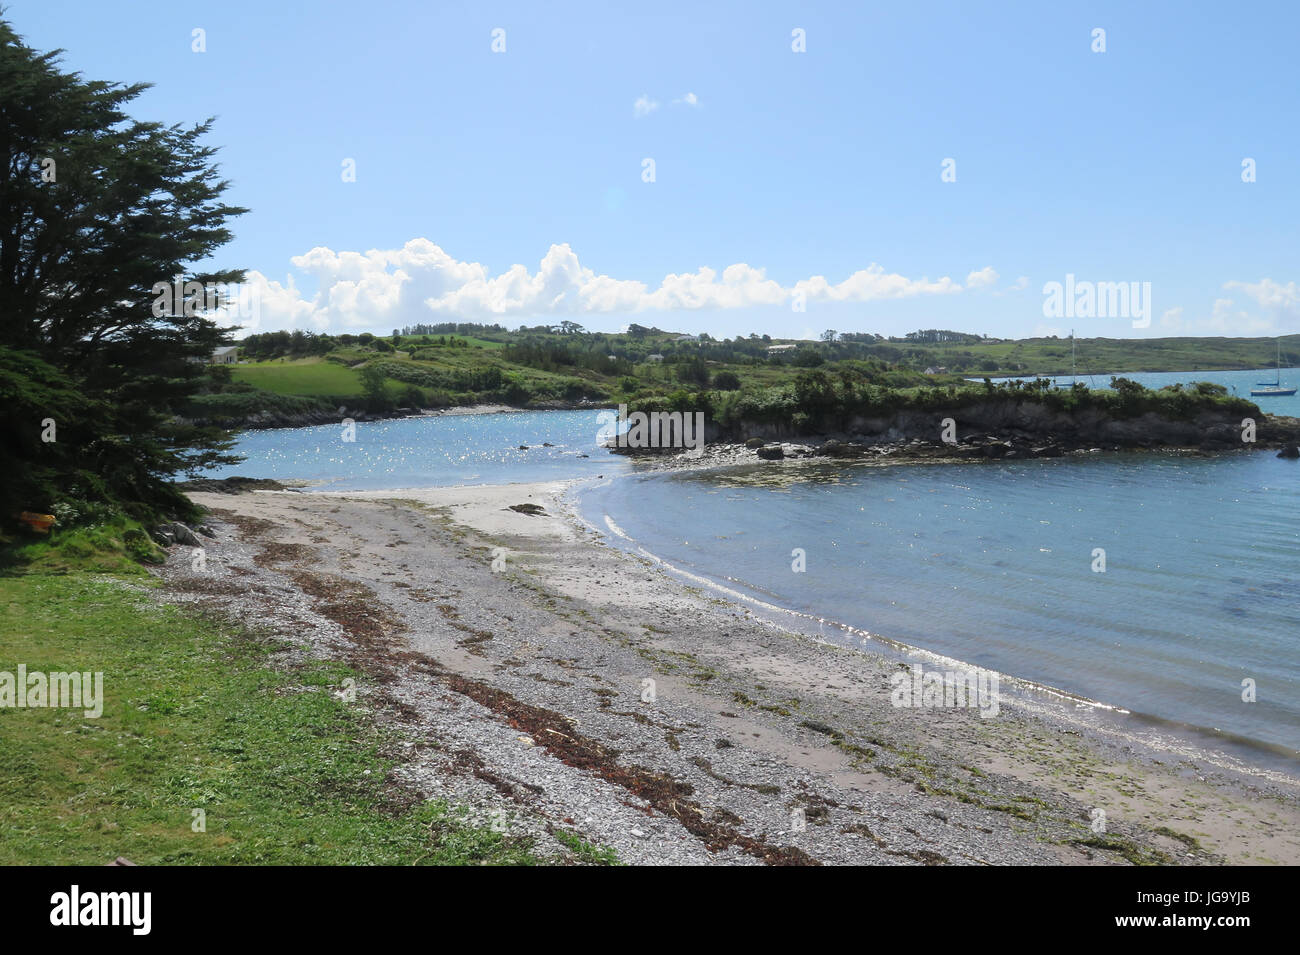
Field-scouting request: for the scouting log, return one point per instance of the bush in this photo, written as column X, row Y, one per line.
column 516, row 394
column 726, row 381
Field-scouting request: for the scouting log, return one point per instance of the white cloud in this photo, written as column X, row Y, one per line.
column 982, row 279
column 689, row 99
column 1284, row 299
column 420, row 283
column 1225, row 318
column 1280, row 304
column 1019, row 285
column 644, row 106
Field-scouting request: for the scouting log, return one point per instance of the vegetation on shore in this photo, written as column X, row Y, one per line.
column 814, row 387
column 99, row 214
column 199, row 716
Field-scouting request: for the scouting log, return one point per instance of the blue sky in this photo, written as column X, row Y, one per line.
column 772, row 168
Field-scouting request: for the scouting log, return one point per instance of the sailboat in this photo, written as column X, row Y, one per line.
column 1273, row 389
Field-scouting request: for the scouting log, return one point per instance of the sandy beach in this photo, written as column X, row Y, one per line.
column 543, row 678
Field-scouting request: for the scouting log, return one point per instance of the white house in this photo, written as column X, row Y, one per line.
column 777, row 349
column 228, row 355
column 654, row 357
column 937, row 370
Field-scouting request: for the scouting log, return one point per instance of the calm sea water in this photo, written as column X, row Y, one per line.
column 994, row 564
column 430, row 451
column 991, row 563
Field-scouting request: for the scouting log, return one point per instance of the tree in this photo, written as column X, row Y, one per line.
column 372, row 384
column 99, row 214
column 829, row 335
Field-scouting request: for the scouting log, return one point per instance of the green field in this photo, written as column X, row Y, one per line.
column 198, row 716
column 546, row 367
column 312, row 377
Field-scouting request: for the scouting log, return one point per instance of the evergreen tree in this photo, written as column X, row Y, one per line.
column 96, row 210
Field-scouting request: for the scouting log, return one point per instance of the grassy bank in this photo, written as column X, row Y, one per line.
column 197, row 716
column 285, row 373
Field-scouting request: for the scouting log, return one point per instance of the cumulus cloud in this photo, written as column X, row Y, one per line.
column 1225, row 318
column 1279, row 302
column 688, row 99
column 420, row 282
column 1284, row 299
column 644, row 105
column 984, row 278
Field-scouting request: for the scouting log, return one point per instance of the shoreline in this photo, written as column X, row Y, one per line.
column 753, row 719
column 1224, row 751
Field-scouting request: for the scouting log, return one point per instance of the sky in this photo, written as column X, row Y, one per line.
column 862, row 167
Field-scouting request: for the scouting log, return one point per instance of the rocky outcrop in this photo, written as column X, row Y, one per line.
column 175, row 533
column 1028, row 429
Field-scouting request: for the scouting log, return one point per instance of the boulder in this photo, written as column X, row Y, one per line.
column 183, row 535
column 770, row 452
column 841, row 449
column 1290, row 451
column 753, row 443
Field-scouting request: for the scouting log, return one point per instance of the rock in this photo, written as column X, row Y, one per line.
column 1048, row 451
column 753, row 443
column 1290, row 452
column 163, row 536
column 528, row 508
column 523, row 447
column 184, row 535
column 206, row 531
column 770, row 453
column 996, row 449
column 841, row 449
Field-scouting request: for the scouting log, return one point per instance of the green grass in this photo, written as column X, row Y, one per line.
column 196, row 717
column 544, row 369
column 310, row 377
column 116, row 546
column 584, row 850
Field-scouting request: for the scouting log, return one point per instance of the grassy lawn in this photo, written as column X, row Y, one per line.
column 195, row 717
column 312, row 377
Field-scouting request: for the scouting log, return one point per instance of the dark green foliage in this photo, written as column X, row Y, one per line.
column 822, row 402
column 131, row 204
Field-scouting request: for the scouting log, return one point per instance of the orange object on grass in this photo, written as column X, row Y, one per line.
column 41, row 523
